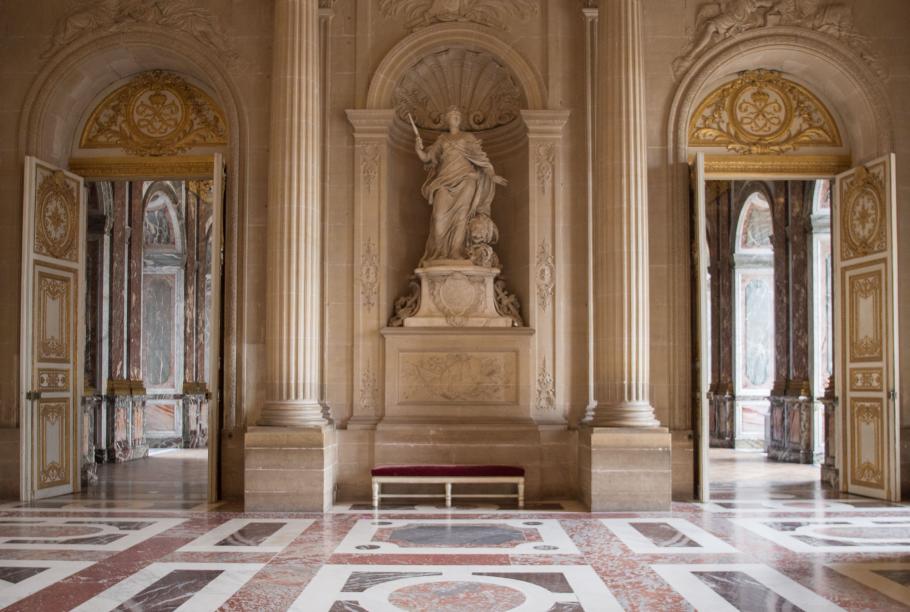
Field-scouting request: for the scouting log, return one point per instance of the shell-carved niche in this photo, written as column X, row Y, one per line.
column 762, row 112
column 474, row 81
column 155, row 113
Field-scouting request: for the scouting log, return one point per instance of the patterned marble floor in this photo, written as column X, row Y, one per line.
column 782, row 550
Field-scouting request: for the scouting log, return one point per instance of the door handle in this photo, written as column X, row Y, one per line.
column 33, row 395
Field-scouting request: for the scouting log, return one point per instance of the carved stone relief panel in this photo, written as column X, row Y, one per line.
column 762, row 112
column 475, row 81
column 546, row 275
column 722, row 19
column 493, row 13
column 369, row 274
column 155, row 113
column 450, row 377
column 546, row 391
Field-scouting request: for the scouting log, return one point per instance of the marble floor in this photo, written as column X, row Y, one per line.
column 788, row 549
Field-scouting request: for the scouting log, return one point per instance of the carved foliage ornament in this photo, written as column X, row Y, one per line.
column 863, row 214
column 156, row 113
column 476, row 82
column 493, row 13
column 723, row 19
column 546, row 393
column 546, row 275
column 56, row 216
column 369, row 274
column 112, row 16
column 761, row 112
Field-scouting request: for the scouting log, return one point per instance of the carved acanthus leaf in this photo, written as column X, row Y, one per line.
column 112, row 16
column 546, row 275
column 369, row 274
column 474, row 81
column 546, row 391
column 722, row 19
column 493, row 13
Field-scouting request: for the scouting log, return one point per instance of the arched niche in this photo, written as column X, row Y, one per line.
column 391, row 218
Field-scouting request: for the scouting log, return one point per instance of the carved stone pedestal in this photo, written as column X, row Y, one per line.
column 625, row 469
column 457, row 294
column 289, row 469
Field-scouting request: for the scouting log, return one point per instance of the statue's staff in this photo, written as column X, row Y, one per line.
column 414, row 127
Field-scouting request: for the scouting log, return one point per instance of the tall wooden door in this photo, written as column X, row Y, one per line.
column 213, row 375
column 53, row 252
column 866, row 344
column 703, row 337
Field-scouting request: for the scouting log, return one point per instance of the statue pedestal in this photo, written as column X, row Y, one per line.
column 457, row 294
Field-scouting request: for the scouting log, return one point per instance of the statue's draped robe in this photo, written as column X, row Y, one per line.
column 459, row 186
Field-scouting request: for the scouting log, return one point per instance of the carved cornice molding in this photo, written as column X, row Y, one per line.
column 492, row 13
column 761, row 112
column 723, row 19
column 113, row 16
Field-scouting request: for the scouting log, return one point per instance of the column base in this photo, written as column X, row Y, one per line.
column 294, row 414
column 289, row 469
column 625, row 468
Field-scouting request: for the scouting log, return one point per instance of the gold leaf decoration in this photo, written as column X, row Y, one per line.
column 156, row 113
column 56, row 216
column 761, row 112
column 863, row 214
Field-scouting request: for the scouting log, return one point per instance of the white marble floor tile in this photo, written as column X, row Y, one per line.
column 739, row 586
column 169, row 586
column 666, row 536
column 878, row 534
column 68, row 533
column 231, row 535
column 46, row 573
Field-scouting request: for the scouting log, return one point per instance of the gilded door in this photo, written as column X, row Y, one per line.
column 53, row 251
column 866, row 330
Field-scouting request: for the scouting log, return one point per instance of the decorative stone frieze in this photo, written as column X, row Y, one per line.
column 493, row 13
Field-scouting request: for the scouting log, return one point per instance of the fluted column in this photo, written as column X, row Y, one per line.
column 621, row 329
column 294, row 256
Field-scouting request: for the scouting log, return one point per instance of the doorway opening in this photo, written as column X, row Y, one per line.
column 769, row 358
column 149, row 367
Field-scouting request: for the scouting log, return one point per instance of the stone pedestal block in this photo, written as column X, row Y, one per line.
column 625, row 469
column 289, row 469
column 457, row 294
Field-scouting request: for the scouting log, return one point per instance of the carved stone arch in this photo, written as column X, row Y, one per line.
column 834, row 73
column 440, row 37
column 72, row 78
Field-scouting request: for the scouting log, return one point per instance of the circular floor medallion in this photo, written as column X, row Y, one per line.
column 452, row 596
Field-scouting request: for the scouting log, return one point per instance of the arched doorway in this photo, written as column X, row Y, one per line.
column 845, row 87
column 195, row 171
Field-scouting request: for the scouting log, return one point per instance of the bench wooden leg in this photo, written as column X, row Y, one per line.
column 521, row 495
column 376, row 494
column 448, row 495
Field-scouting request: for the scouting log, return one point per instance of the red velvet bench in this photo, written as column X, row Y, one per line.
column 448, row 475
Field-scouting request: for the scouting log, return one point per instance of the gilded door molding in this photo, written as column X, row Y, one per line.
column 866, row 275
column 52, row 293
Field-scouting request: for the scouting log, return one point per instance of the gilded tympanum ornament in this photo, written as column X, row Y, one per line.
column 56, row 216
column 761, row 112
column 156, row 113
column 863, row 214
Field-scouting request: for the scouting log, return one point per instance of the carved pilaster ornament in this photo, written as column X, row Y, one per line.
column 546, row 160
column 546, row 392
column 368, row 389
column 762, row 112
column 723, row 19
column 369, row 274
column 369, row 164
column 546, row 275
column 492, row 13
column 113, row 16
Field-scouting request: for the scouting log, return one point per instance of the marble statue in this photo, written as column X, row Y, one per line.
column 460, row 187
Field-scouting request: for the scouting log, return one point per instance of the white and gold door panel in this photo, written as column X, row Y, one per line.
column 53, row 251
column 865, row 269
